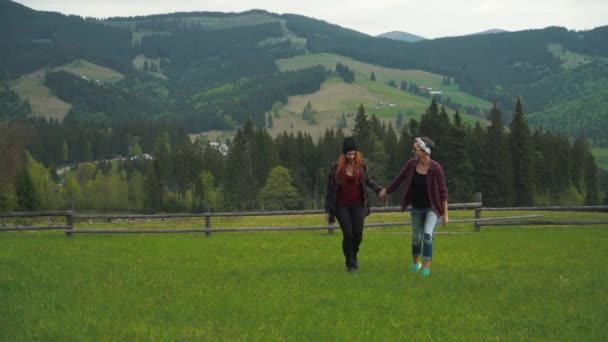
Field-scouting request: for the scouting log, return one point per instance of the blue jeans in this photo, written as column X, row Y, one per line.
column 424, row 222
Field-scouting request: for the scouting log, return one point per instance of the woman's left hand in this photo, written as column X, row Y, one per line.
column 445, row 219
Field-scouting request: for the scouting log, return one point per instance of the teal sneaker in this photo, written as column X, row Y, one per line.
column 426, row 272
column 416, row 267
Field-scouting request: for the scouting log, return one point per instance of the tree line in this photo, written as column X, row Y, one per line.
column 513, row 166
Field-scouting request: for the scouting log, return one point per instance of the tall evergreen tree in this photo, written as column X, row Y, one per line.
column 154, row 188
column 592, row 195
column 163, row 157
column 238, row 182
column 457, row 164
column 578, row 158
column 521, row 158
column 362, row 130
column 27, row 197
column 399, row 122
column 498, row 189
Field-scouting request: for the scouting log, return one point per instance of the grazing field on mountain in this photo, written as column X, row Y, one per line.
column 337, row 97
column 383, row 75
column 91, row 71
column 31, row 87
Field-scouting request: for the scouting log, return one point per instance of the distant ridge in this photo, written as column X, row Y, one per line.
column 403, row 36
column 490, row 31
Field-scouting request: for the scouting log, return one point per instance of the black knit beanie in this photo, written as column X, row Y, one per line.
column 349, row 144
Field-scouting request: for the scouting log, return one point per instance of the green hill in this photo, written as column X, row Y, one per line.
column 336, row 97
column 586, row 116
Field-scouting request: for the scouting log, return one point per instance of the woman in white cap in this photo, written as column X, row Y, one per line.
column 427, row 193
column 347, row 199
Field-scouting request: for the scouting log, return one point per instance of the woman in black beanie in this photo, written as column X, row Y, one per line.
column 347, row 199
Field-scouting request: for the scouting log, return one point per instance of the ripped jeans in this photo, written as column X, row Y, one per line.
column 424, row 222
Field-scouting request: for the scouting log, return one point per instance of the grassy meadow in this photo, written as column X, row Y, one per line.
column 44, row 103
column 363, row 71
column 31, row 87
column 515, row 283
column 336, row 97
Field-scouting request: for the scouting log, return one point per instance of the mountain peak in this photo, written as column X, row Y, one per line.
column 403, row 36
column 494, row 30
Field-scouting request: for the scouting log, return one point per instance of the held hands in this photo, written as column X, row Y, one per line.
column 382, row 193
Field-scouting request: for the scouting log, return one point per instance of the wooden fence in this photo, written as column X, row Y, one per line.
column 70, row 218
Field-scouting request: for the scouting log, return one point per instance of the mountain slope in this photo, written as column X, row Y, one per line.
column 585, row 116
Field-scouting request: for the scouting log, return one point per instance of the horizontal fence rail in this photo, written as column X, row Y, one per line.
column 270, row 229
column 36, row 214
column 600, row 208
column 254, row 213
column 68, row 214
column 477, row 207
column 545, row 223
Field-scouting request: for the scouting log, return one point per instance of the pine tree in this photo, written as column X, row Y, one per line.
column 498, row 187
column 153, row 187
column 456, row 162
column 521, row 158
column 65, row 152
column 162, row 154
column 399, row 122
column 27, row 198
column 362, row 131
column 592, row 195
column 279, row 192
column 342, row 121
column 372, row 77
column 578, row 159
column 238, row 182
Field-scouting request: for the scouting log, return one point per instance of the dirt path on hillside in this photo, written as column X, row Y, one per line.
column 367, row 92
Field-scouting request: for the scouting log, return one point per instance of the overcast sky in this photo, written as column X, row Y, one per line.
column 427, row 18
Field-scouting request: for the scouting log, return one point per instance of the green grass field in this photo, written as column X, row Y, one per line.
column 518, row 283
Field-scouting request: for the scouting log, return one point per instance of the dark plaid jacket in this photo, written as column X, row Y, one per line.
column 333, row 187
column 435, row 183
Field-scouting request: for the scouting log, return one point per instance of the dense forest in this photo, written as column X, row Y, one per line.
column 517, row 166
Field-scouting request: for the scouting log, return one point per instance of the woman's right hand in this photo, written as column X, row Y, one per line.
column 382, row 193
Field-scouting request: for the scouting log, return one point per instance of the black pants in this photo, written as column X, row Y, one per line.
column 351, row 219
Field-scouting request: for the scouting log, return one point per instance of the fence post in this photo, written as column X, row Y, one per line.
column 330, row 228
column 207, row 223
column 478, row 198
column 69, row 218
